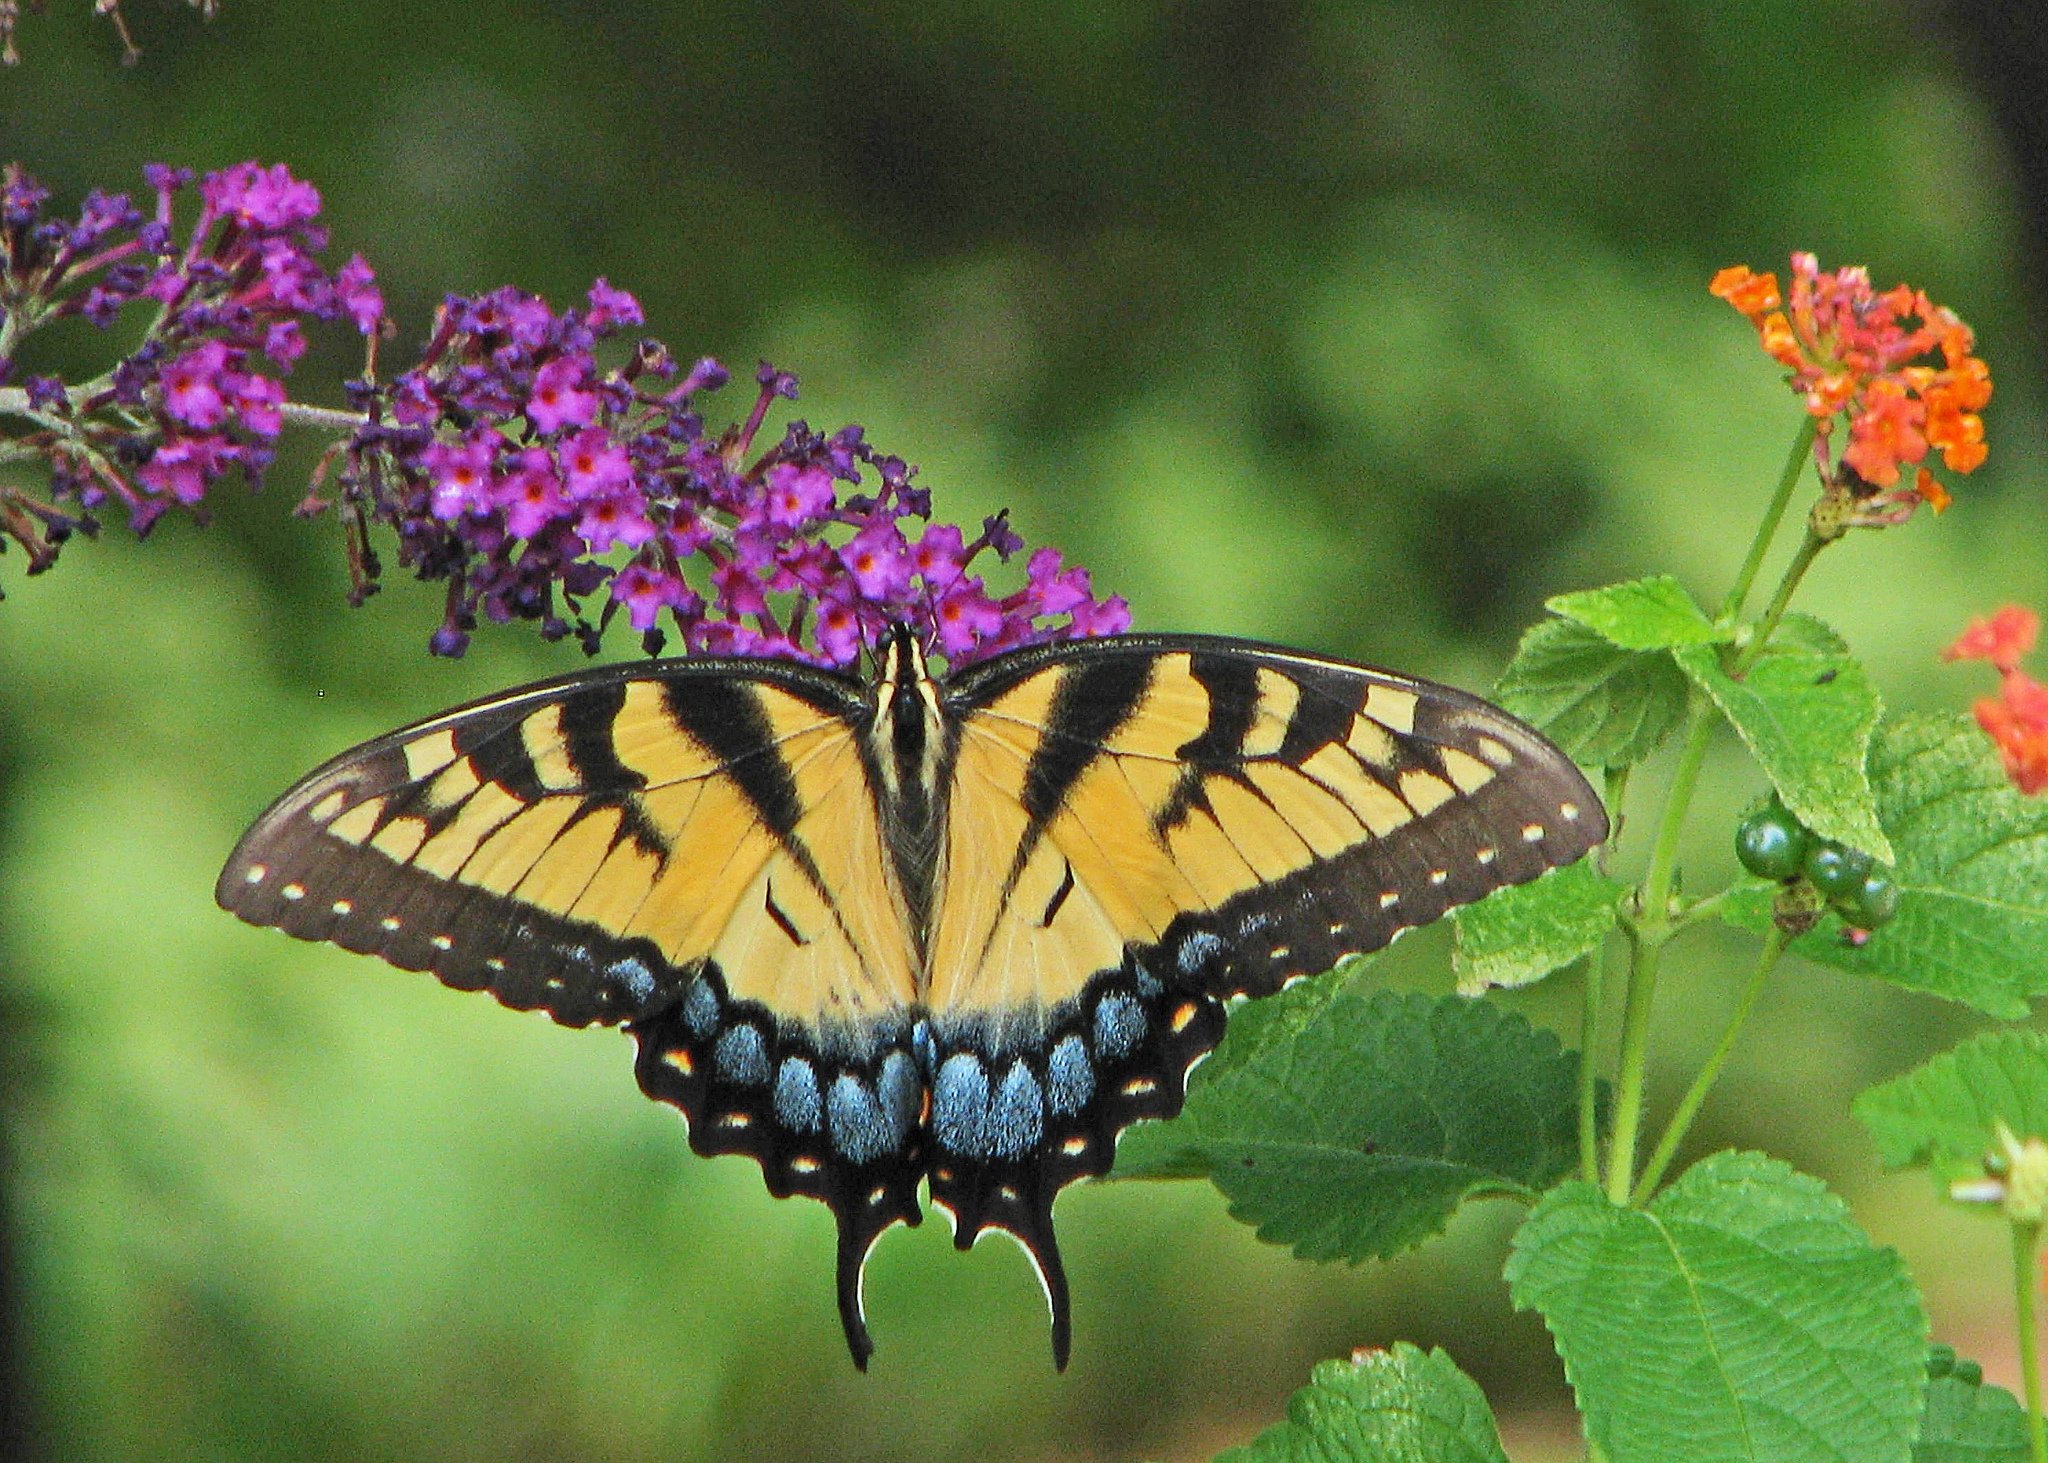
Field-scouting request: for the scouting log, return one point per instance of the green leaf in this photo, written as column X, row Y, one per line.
column 1352, row 1126
column 1805, row 710
column 1972, row 873
column 1944, row 1115
column 1967, row 1421
column 1605, row 706
column 1399, row 1406
column 1643, row 614
column 1517, row 935
column 1741, row 1318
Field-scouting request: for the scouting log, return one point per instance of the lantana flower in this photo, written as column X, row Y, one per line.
column 2016, row 719
column 1896, row 366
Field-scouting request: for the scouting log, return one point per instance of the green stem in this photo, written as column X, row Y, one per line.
column 1802, row 448
column 320, row 416
column 1696, row 1095
column 2025, row 1236
column 1589, row 1069
column 1652, row 929
column 1760, row 636
column 1615, row 790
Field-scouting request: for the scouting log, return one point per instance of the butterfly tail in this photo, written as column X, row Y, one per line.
column 853, row 1263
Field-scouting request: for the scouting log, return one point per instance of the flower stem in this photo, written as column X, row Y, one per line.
column 2025, row 1236
column 1589, row 1072
column 1760, row 637
column 1652, row 929
column 1696, row 1095
column 1615, row 789
column 1802, row 447
column 320, row 416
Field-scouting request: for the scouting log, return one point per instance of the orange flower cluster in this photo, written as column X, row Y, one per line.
column 2016, row 719
column 1851, row 351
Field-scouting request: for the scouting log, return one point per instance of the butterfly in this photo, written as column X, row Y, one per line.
column 895, row 931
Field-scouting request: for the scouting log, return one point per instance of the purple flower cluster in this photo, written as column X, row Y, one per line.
column 535, row 480
column 202, row 394
column 508, row 461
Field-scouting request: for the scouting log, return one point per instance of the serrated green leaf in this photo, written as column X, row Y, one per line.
column 1741, row 1318
column 1944, row 1114
column 1400, row 1406
column 1643, row 614
column 1352, row 1126
column 1806, row 711
column 1972, row 873
column 1605, row 706
column 1517, row 935
column 1968, row 1421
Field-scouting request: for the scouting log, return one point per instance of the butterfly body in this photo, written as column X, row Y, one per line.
column 889, row 932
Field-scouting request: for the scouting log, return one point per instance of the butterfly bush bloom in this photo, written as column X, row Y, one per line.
column 1896, row 366
column 535, row 480
column 516, row 467
column 2016, row 719
column 202, row 393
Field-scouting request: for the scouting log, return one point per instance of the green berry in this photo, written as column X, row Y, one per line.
column 1871, row 903
column 1836, row 871
column 1771, row 844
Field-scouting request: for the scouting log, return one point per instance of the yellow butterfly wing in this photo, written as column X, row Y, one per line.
column 693, row 848
column 1140, row 828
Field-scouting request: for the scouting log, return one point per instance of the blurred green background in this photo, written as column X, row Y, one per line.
column 1362, row 327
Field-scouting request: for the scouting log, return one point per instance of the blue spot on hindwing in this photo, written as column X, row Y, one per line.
column 858, row 1128
column 796, row 1097
column 960, row 1104
column 1069, row 1077
column 1016, row 1119
column 901, row 1092
column 633, row 976
column 700, row 1008
column 1196, row 951
column 1119, row 1026
column 741, row 1057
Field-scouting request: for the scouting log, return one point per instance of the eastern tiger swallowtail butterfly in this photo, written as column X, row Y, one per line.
column 899, row 930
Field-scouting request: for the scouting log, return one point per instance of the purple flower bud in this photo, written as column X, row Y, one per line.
column 611, row 307
column 46, row 393
column 706, row 375
column 356, row 287
column 998, row 535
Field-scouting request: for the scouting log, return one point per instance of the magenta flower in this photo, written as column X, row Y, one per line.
column 258, row 197
column 194, row 391
column 531, row 494
column 558, row 398
column 797, row 495
column 460, row 473
column 879, row 562
column 594, row 465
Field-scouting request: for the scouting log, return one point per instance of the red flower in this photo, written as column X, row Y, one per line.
column 2016, row 719
column 1851, row 350
column 2002, row 639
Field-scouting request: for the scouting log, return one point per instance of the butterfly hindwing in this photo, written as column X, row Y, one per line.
column 1141, row 828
